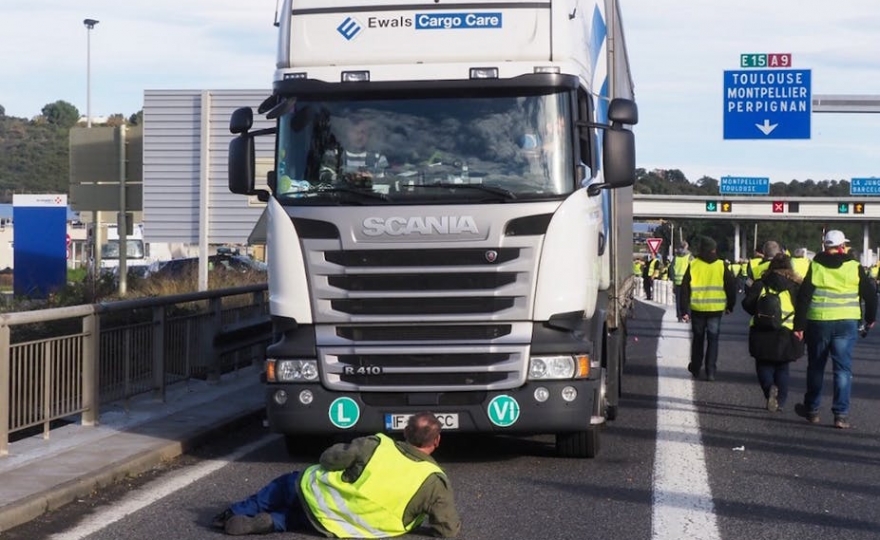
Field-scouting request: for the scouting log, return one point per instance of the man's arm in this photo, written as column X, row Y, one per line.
column 686, row 292
column 438, row 503
column 341, row 456
column 868, row 293
column 805, row 296
column 729, row 288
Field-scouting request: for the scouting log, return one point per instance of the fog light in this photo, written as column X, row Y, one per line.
column 569, row 393
column 280, row 397
column 541, row 394
column 306, row 397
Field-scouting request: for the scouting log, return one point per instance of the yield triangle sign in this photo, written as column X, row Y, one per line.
column 654, row 245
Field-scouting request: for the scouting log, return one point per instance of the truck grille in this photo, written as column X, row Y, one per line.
column 445, row 319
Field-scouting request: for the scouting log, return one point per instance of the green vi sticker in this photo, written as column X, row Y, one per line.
column 344, row 412
column 503, row 411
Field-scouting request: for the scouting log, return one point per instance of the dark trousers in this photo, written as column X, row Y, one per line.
column 649, row 287
column 679, row 311
column 705, row 331
column 773, row 374
column 279, row 499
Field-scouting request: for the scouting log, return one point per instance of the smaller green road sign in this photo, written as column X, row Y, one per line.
column 503, row 411
column 344, row 412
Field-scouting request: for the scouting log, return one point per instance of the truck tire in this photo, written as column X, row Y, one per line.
column 580, row 444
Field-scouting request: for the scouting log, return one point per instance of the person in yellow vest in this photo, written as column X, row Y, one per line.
column 676, row 271
column 650, row 272
column 800, row 263
column 758, row 266
column 637, row 267
column 827, row 314
column 373, row 487
column 708, row 290
column 774, row 345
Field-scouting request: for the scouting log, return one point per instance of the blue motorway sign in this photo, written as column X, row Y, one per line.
column 864, row 186
column 767, row 104
column 744, row 185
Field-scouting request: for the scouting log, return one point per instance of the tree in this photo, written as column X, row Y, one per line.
column 61, row 114
column 137, row 118
column 2, row 111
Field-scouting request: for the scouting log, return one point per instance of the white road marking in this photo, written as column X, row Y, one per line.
column 683, row 506
column 156, row 490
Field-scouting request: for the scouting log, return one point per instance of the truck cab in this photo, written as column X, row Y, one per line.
column 442, row 226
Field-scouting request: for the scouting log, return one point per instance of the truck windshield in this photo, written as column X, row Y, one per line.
column 134, row 249
column 410, row 151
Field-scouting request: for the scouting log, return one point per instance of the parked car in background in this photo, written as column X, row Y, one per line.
column 182, row 268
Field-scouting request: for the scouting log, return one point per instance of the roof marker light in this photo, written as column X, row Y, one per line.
column 484, row 73
column 546, row 69
column 355, row 76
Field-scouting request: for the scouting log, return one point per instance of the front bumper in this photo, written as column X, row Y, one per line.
column 515, row 411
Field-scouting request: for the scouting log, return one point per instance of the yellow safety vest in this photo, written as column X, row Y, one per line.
column 800, row 265
column 652, row 269
column 679, row 267
column 836, row 297
column 373, row 505
column 707, row 286
column 758, row 266
column 785, row 303
column 637, row 269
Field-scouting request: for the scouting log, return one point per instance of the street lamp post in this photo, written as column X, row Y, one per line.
column 89, row 24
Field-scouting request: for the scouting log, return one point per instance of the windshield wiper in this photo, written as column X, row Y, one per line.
column 343, row 189
column 495, row 190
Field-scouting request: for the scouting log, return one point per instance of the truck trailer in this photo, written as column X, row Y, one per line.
column 449, row 217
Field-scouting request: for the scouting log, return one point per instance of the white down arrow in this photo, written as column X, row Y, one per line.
column 766, row 128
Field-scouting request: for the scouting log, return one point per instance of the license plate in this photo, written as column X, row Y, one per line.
column 396, row 422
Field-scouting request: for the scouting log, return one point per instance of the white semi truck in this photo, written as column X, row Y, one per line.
column 449, row 217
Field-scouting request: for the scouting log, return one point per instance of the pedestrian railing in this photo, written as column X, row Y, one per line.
column 59, row 363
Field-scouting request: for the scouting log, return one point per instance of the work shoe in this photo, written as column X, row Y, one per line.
column 801, row 410
column 219, row 521
column 241, row 525
column 772, row 402
column 841, row 422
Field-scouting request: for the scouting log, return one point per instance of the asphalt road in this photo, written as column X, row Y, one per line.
column 750, row 475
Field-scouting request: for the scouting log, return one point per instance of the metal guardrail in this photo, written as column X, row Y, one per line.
column 61, row 362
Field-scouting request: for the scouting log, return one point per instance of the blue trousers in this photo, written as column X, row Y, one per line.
column 773, row 374
column 279, row 499
column 834, row 340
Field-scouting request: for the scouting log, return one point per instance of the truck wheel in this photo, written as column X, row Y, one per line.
column 580, row 444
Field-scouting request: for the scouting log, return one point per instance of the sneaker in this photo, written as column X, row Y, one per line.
column 812, row 416
column 241, row 525
column 219, row 521
column 710, row 376
column 772, row 402
column 695, row 371
column 841, row 422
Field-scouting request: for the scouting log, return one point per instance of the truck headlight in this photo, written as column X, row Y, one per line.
column 291, row 370
column 559, row 367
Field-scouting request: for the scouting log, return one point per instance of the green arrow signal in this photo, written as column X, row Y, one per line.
column 843, row 208
column 711, row 206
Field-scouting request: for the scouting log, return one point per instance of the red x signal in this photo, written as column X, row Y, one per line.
column 778, row 207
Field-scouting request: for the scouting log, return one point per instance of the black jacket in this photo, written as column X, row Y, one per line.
column 773, row 345
column 729, row 290
column 867, row 290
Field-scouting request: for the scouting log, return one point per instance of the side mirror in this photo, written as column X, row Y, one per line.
column 623, row 111
column 619, row 157
column 241, row 164
column 242, row 120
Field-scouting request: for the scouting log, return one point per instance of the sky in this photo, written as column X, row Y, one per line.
column 678, row 50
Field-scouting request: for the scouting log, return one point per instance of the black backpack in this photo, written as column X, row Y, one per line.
column 768, row 311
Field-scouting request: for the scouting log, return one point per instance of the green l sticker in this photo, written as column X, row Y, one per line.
column 344, row 412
